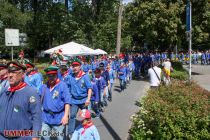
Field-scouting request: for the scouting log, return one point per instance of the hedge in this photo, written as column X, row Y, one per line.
column 179, row 111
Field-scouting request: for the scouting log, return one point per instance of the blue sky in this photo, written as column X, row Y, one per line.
column 126, row 1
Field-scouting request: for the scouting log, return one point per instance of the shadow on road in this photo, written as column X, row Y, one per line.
column 118, row 90
column 117, row 86
column 110, row 129
column 195, row 73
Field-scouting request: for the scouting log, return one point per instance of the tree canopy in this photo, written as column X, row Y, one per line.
column 159, row 23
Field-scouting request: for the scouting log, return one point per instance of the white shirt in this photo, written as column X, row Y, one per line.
column 167, row 65
column 154, row 81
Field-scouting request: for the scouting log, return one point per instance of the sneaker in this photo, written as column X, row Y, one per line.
column 97, row 115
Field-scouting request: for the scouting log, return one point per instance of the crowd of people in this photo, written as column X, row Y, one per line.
column 74, row 85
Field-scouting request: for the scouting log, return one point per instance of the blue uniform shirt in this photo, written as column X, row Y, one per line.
column 20, row 110
column 86, row 67
column 79, row 88
column 123, row 75
column 54, row 101
column 94, row 66
column 101, row 84
column 111, row 75
column 4, row 84
column 95, row 93
column 33, row 81
column 105, row 74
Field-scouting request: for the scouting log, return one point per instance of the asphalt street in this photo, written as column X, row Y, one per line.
column 115, row 122
column 201, row 74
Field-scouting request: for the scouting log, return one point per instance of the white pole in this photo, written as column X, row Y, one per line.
column 190, row 50
column 190, row 43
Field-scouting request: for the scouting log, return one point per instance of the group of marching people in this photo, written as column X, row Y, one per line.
column 28, row 103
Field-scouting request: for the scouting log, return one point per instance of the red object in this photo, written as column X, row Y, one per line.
column 86, row 126
column 19, row 86
column 15, row 65
column 2, row 67
column 29, row 66
column 60, row 50
column 121, row 55
column 52, row 72
column 85, row 114
column 21, row 53
column 32, row 73
column 80, row 74
column 75, row 63
column 65, row 74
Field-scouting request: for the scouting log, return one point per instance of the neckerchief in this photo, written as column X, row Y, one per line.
column 32, row 73
column 80, row 74
column 65, row 74
column 86, row 126
column 15, row 88
column 56, row 82
column 98, row 77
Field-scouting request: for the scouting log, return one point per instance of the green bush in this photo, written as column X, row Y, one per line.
column 179, row 72
column 179, row 111
column 177, row 66
column 181, row 75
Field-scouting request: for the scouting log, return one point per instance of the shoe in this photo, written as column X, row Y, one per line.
column 97, row 115
column 105, row 103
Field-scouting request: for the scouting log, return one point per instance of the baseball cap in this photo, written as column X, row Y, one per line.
column 84, row 114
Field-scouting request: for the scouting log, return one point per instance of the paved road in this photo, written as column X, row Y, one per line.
column 115, row 122
column 201, row 74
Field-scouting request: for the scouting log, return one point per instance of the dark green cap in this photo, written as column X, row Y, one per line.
column 76, row 61
column 51, row 70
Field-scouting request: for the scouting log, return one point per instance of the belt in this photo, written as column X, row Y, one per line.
column 79, row 98
column 52, row 113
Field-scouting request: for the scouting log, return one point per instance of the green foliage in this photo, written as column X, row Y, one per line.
column 179, row 72
column 179, row 111
column 11, row 17
column 161, row 23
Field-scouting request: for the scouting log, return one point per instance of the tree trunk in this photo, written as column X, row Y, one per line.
column 119, row 28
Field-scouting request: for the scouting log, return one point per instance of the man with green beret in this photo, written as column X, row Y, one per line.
column 80, row 91
column 20, row 106
column 55, row 99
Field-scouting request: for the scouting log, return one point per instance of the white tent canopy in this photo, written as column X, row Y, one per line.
column 72, row 49
column 99, row 51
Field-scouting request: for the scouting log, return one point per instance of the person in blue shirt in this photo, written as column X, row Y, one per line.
column 64, row 73
column 32, row 77
column 105, row 75
column 122, row 76
column 101, row 85
column 20, row 106
column 55, row 99
column 94, row 65
column 127, row 73
column 86, row 67
column 203, row 58
column 112, row 79
column 86, row 130
column 95, row 96
column 4, row 83
column 132, row 68
column 207, row 57
column 80, row 91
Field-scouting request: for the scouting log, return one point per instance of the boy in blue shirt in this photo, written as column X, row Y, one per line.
column 86, row 130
